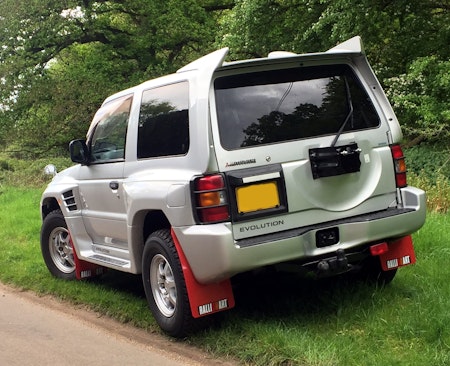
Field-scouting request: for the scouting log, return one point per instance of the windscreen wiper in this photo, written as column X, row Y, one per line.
column 349, row 115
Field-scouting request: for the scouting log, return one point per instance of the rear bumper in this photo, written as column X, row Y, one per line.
column 214, row 255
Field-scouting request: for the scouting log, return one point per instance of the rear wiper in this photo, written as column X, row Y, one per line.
column 349, row 115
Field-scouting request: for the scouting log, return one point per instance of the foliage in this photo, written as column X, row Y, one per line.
column 429, row 169
column 421, row 96
column 437, row 188
column 26, row 173
column 428, row 159
column 65, row 99
column 391, row 29
column 403, row 41
column 60, row 59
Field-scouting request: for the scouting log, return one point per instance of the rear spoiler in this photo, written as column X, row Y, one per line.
column 216, row 59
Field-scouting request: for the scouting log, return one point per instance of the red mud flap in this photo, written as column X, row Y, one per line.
column 400, row 253
column 204, row 299
column 85, row 269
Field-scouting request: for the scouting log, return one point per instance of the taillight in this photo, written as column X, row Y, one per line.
column 399, row 166
column 211, row 202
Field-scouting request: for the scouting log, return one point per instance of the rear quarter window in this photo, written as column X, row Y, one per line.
column 164, row 121
column 282, row 105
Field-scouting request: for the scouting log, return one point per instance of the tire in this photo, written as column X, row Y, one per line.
column 56, row 247
column 372, row 272
column 165, row 287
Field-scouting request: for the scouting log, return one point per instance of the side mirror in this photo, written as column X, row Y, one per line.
column 50, row 169
column 79, row 152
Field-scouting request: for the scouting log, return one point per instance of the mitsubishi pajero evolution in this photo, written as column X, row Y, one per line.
column 223, row 168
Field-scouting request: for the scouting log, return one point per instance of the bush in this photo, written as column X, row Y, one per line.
column 437, row 189
column 421, row 99
column 429, row 169
column 429, row 160
column 28, row 173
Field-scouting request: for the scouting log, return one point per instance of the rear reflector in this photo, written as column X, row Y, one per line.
column 400, row 180
column 379, row 249
column 213, row 214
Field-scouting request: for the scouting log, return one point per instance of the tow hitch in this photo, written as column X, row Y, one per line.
column 334, row 265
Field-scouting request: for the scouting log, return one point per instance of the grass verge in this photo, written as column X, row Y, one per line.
column 280, row 319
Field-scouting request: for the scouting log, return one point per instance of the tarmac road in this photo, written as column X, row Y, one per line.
column 42, row 331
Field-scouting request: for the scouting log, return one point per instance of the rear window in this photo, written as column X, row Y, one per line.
column 282, row 105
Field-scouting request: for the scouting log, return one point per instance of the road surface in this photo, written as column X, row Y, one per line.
column 42, row 331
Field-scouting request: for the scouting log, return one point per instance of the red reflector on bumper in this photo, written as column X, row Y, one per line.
column 379, row 249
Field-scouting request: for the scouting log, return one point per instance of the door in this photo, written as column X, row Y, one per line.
column 101, row 182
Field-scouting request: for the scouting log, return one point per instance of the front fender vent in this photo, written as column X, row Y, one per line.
column 69, row 201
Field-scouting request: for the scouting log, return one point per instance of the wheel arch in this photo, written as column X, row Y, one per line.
column 154, row 220
column 143, row 224
column 203, row 299
column 48, row 205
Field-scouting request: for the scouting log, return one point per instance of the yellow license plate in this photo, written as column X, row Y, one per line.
column 257, row 197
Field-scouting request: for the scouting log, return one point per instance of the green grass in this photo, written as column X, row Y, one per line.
column 21, row 265
column 280, row 319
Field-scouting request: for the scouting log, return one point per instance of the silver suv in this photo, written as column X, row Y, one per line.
column 223, row 168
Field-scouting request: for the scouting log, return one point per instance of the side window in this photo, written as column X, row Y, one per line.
column 110, row 123
column 164, row 121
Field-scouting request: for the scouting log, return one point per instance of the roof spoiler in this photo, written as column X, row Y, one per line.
column 352, row 45
column 209, row 61
column 215, row 59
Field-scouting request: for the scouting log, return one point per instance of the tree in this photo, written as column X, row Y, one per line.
column 59, row 105
column 392, row 30
column 59, row 59
column 399, row 37
column 422, row 97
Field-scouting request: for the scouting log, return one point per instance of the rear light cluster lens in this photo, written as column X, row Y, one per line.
column 399, row 166
column 211, row 199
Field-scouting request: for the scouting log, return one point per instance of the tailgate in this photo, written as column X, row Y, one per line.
column 300, row 146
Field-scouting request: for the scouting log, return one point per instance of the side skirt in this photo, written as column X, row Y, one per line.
column 85, row 269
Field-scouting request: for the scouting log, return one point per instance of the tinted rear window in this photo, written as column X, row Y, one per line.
column 164, row 121
column 289, row 104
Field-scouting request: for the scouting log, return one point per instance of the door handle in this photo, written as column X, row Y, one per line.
column 114, row 185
